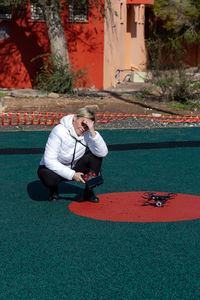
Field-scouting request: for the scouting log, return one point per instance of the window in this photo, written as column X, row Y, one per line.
column 5, row 12
column 78, row 10
column 121, row 13
column 36, row 12
column 139, row 13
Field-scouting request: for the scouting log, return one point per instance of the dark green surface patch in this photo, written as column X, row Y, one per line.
column 47, row 252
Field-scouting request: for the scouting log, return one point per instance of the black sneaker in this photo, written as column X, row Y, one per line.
column 90, row 196
column 53, row 197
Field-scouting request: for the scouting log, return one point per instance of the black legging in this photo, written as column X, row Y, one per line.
column 88, row 162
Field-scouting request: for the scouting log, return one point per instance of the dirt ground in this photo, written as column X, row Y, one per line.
column 112, row 103
column 121, row 99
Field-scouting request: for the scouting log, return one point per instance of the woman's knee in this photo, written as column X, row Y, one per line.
column 48, row 177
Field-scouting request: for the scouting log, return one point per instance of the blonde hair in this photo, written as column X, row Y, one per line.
column 85, row 112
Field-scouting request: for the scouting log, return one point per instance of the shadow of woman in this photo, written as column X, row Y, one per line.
column 38, row 192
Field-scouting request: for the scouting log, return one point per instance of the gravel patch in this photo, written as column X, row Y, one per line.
column 134, row 123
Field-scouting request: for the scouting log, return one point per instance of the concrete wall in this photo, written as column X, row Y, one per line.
column 114, row 40
column 138, row 49
column 124, row 43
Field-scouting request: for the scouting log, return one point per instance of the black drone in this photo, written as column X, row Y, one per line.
column 157, row 200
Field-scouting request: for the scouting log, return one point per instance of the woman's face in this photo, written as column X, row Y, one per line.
column 79, row 125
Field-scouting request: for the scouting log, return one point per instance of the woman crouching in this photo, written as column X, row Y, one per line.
column 73, row 149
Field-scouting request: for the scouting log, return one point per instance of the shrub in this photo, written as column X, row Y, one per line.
column 170, row 81
column 61, row 79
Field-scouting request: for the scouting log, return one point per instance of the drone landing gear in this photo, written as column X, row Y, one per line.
column 159, row 203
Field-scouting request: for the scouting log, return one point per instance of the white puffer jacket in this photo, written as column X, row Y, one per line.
column 59, row 150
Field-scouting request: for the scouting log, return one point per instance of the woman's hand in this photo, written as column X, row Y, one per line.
column 90, row 124
column 78, row 177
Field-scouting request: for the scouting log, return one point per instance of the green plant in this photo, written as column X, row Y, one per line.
column 165, row 52
column 178, row 106
column 60, row 79
column 169, row 78
column 154, row 47
column 2, row 94
column 181, row 18
column 192, row 106
column 175, row 85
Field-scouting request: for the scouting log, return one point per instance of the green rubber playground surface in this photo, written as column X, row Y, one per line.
column 48, row 252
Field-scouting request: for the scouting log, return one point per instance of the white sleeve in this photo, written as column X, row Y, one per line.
column 97, row 145
column 51, row 156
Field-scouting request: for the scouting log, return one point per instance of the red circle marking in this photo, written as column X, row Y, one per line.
column 129, row 207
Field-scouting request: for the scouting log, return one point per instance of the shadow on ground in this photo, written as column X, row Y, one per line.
column 38, row 192
column 122, row 97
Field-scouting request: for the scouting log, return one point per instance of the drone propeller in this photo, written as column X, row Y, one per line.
column 171, row 195
column 147, row 195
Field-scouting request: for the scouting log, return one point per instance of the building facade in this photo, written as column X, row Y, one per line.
column 124, row 38
column 100, row 46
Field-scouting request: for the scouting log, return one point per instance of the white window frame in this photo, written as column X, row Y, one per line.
column 5, row 15
column 36, row 12
column 75, row 17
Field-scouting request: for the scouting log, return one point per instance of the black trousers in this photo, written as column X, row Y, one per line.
column 88, row 162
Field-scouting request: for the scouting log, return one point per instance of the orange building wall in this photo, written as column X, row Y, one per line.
column 28, row 39
column 124, row 40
